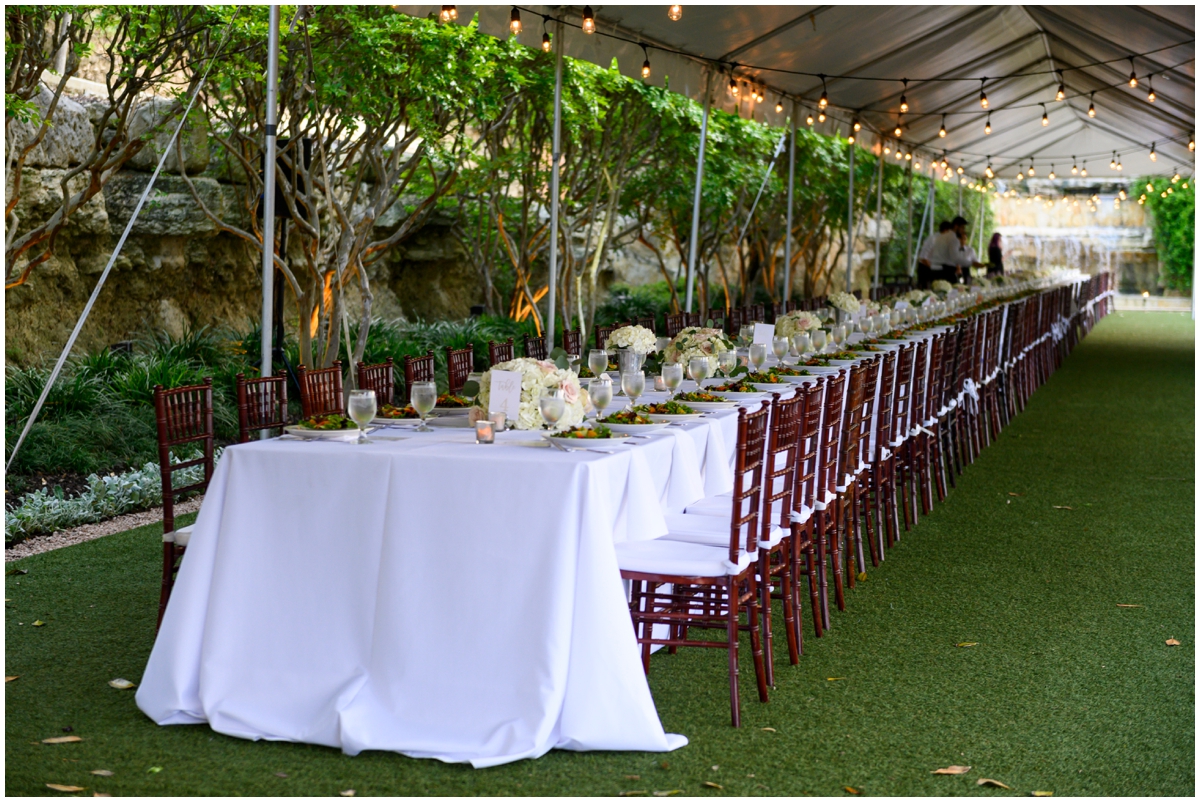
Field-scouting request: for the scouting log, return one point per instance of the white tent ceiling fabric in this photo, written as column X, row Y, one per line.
column 771, row 43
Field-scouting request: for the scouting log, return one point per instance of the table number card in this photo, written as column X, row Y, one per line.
column 764, row 332
column 505, row 394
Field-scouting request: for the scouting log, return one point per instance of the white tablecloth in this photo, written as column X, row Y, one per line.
column 423, row 595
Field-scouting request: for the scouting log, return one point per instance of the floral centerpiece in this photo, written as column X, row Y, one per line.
column 537, row 376
column 695, row 341
column 914, row 297
column 843, row 301
column 941, row 286
column 796, row 323
column 638, row 339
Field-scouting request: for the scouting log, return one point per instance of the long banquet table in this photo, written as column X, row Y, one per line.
column 424, row 594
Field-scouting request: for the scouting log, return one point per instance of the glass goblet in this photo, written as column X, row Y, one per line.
column 552, row 405
column 698, row 369
column 672, row 374
column 758, row 355
column 780, row 346
column 801, row 343
column 361, row 406
column 746, row 335
column 597, row 361
column 726, row 362
column 633, row 383
column 601, row 392
column 424, row 397
column 819, row 339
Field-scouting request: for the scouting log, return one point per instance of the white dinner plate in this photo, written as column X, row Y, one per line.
column 321, row 434
column 450, row 422
column 842, row 362
column 710, row 406
column 452, row 410
column 585, row 445
column 402, row 421
column 739, row 396
column 673, row 418
column 821, row 370
column 771, row 388
column 632, row 428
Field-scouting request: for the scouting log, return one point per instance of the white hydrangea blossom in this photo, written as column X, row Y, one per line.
column 941, row 286
column 795, row 323
column 694, row 342
column 536, row 377
column 843, row 301
column 638, row 339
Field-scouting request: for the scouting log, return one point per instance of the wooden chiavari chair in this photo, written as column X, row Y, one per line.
column 864, row 513
column 717, row 316
column 927, row 357
column 381, row 378
column 825, row 534
column 647, row 323
column 710, row 584
column 804, row 497
column 459, row 364
column 757, row 313
column 501, row 352
column 941, row 366
column 883, row 461
column 901, row 422
column 847, row 484
column 603, row 333
column 321, row 391
column 535, row 347
column 734, row 321
column 262, row 404
column 676, row 323
column 572, row 342
column 693, row 319
column 183, row 415
column 417, row 369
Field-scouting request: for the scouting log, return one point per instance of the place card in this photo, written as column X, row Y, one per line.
column 505, row 394
column 764, row 332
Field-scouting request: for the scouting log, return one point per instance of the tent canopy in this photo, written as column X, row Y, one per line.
column 944, row 51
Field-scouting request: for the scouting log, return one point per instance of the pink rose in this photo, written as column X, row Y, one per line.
column 547, row 367
column 570, row 392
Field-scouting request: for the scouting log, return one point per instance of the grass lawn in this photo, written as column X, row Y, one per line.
column 1064, row 691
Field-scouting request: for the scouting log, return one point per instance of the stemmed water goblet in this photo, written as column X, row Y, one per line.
column 819, row 339
column 424, row 397
column 361, row 406
column 601, row 392
column 597, row 361
column 801, row 343
column 746, row 335
column 698, row 369
column 758, row 355
column 727, row 361
column 780, row 346
column 633, row 383
column 552, row 405
column 672, row 375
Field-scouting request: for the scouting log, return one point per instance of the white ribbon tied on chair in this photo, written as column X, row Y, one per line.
column 972, row 392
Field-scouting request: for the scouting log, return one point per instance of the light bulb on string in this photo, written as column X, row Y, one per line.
column 1074, row 167
column 1132, row 74
column 514, row 21
column 917, row 163
column 1112, row 163
column 959, row 170
column 899, row 154
column 898, row 130
column 1192, row 142
column 448, row 14
column 942, row 130
column 675, row 12
column 809, row 120
column 1051, row 175
column 988, row 170
column 820, row 116
column 645, row 64
column 1151, row 97
column 1120, row 166
column 1083, row 169
column 824, row 100
column 908, row 157
column 734, row 89
column 1092, row 106
column 1175, row 177
column 1032, row 171
column 589, row 20
column 886, row 148
column 983, row 101
column 546, row 42
column 904, row 97
column 987, row 126
column 1061, row 94
column 1045, row 116
column 779, row 107
column 1153, row 154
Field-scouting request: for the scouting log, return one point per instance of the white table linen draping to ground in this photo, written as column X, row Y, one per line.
column 424, row 596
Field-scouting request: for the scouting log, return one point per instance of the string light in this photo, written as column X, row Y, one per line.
column 983, row 101
column 546, row 41
column 1045, row 116
column 1051, row 176
column 1192, row 142
column 820, row 116
column 810, row 118
column 898, row 130
column 1153, row 154
column 1020, row 175
column 1112, row 163
column 675, row 12
column 1083, row 169
column 908, row 156
column 988, row 170
column 1120, row 166
column 1092, row 106
column 779, row 107
column 1031, row 170
column 1175, row 177
column 824, row 101
column 1062, row 89
column 514, row 21
column 904, row 97
column 987, row 127
column 942, row 130
column 1074, row 167
column 646, row 63
column 449, row 13
column 734, row 89
column 1132, row 74
column 589, row 20
column 856, row 125
column 959, row 170
column 899, row 155
column 886, row 148
column 1151, row 97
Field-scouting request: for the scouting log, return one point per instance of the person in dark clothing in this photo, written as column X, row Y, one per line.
column 995, row 256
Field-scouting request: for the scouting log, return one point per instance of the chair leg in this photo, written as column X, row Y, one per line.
column 756, row 646
column 731, row 633
column 830, row 529
column 764, row 610
column 869, row 508
column 168, row 582
column 815, row 594
column 791, row 600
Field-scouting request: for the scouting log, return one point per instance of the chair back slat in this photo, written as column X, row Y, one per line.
column 603, row 333
column 647, row 323
column 693, row 319
column 780, row 469
column 808, row 442
column 183, row 415
column 501, row 352
column 573, row 342
column 676, row 323
column 717, row 316
column 459, row 364
column 883, row 416
column 902, row 396
column 830, row 435
column 535, row 347
column 417, row 369
column 381, row 378
column 262, row 404
column 747, row 480
column 321, row 390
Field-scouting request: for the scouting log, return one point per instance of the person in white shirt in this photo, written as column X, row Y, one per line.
column 967, row 258
column 938, row 256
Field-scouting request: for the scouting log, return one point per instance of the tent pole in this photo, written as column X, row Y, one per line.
column 787, row 248
column 850, row 225
column 960, row 204
column 909, row 247
column 878, row 212
column 556, row 157
column 693, row 240
column 926, row 214
column 268, row 248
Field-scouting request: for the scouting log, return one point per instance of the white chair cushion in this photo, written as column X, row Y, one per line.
column 709, row 530
column 722, row 506
column 675, row 558
column 180, row 536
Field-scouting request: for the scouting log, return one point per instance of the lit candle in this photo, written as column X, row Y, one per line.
column 498, row 420
column 484, row 432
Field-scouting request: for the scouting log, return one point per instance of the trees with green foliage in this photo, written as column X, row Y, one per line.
column 1173, row 204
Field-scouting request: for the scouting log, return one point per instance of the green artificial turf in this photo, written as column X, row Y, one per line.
column 1064, row 691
